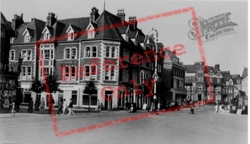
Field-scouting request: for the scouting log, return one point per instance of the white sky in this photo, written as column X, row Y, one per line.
column 230, row 51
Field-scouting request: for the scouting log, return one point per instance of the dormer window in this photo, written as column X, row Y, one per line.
column 46, row 36
column 27, row 34
column 71, row 32
column 70, row 36
column 47, row 33
column 12, row 40
column 91, row 31
column 27, row 38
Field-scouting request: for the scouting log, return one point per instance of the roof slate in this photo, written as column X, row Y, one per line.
column 35, row 25
column 6, row 23
column 189, row 68
column 226, row 75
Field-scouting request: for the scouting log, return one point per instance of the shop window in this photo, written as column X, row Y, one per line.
column 85, row 99
column 74, row 97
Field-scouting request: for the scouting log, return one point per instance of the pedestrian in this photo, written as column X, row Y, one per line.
column 110, row 104
column 30, row 107
column 53, row 102
column 6, row 104
column 60, row 107
column 216, row 108
column 222, row 108
column 144, row 106
column 70, row 108
column 13, row 109
column 37, row 104
column 64, row 106
column 126, row 105
column 191, row 109
column 98, row 105
column 228, row 107
column 42, row 105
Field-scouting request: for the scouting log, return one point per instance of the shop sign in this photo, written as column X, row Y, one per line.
column 111, row 42
column 68, row 63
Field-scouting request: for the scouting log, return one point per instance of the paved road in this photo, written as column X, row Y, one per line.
column 204, row 127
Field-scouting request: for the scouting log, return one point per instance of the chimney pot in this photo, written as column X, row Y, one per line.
column 121, row 14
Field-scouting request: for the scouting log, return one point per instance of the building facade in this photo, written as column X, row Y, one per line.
column 77, row 50
column 203, row 82
column 244, row 81
column 7, row 79
column 174, row 75
column 228, row 87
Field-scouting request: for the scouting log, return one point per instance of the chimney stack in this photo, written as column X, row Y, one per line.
column 133, row 22
column 217, row 66
column 17, row 21
column 51, row 19
column 121, row 14
column 94, row 14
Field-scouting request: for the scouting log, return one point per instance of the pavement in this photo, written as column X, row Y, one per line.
column 23, row 112
column 173, row 127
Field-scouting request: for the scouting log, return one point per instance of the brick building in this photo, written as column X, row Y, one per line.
column 77, row 50
column 174, row 76
column 203, row 83
column 7, row 79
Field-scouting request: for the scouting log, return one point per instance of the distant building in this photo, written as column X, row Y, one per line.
column 174, row 76
column 203, row 83
column 244, row 77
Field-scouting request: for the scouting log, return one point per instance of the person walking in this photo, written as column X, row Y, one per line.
column 13, row 109
column 42, row 105
column 64, row 106
column 126, row 105
column 60, row 107
column 30, row 108
column 216, row 108
column 37, row 105
column 110, row 105
column 70, row 108
column 98, row 105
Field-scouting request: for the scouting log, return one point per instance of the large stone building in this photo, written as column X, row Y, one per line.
column 174, row 76
column 118, row 59
column 203, row 83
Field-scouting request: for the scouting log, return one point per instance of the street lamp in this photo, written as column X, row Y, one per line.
column 155, row 76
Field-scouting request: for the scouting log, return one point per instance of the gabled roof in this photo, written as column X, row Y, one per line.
column 141, row 36
column 30, row 31
column 106, row 19
column 75, row 29
column 36, row 25
column 6, row 23
column 214, row 69
column 78, row 24
column 235, row 77
column 226, row 75
column 189, row 68
column 244, row 73
column 242, row 93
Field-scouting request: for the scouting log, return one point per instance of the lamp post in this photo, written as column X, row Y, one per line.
column 155, row 76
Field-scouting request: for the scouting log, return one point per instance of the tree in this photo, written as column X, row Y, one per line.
column 90, row 89
column 37, row 86
column 51, row 85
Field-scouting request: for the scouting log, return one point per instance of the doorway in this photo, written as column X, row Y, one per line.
column 199, row 97
column 108, row 99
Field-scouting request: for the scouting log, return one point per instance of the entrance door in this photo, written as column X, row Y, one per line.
column 108, row 99
column 199, row 97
